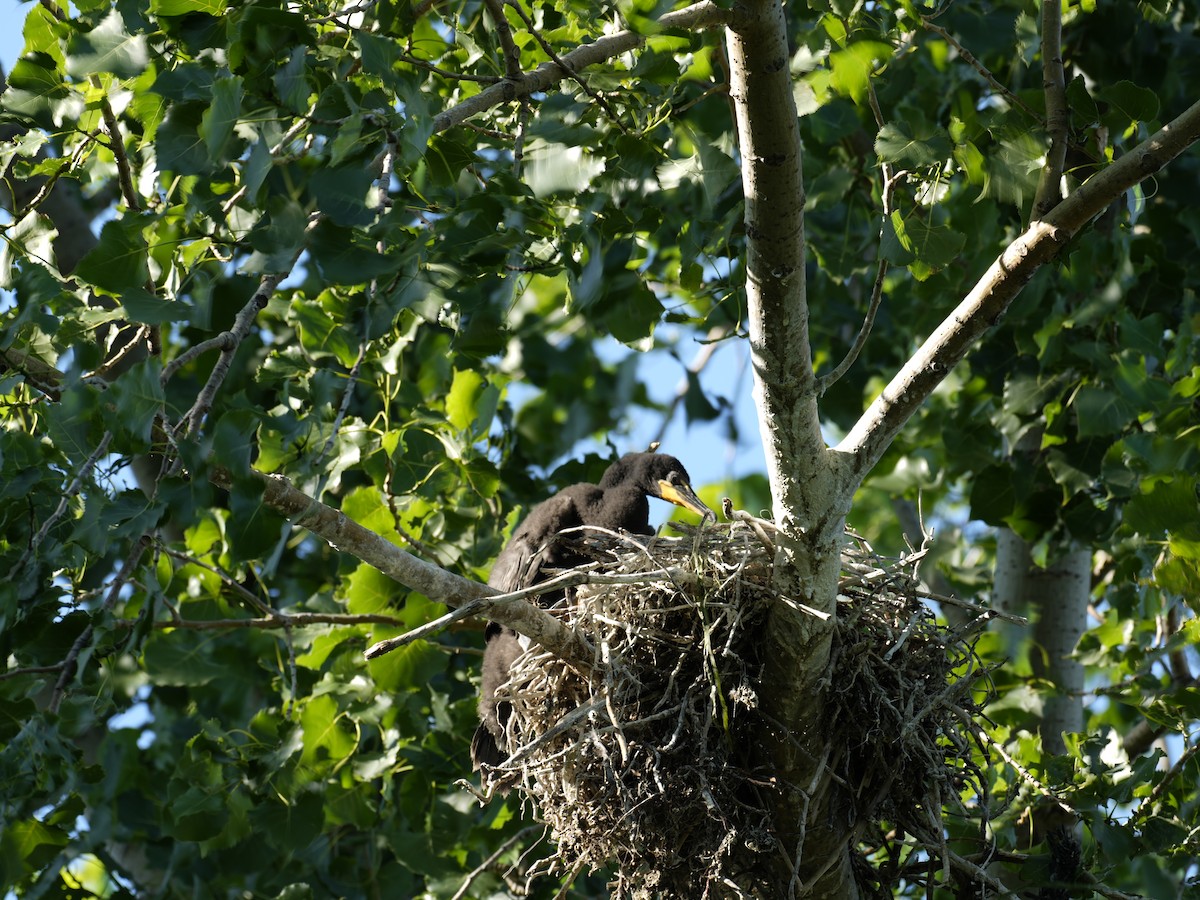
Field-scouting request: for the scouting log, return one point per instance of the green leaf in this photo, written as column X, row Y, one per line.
column 138, row 398
column 408, row 667
column 696, row 404
column 895, row 144
column 321, row 330
column 254, row 529
column 446, row 157
column 1169, row 505
column 369, row 591
column 292, row 82
column 379, row 56
column 30, row 844
column 180, row 148
column 1080, row 102
column 327, row 736
column 108, row 47
column 344, row 194
column 853, row 67
column 140, row 305
column 118, row 262
column 218, row 121
column 348, row 256
column 559, row 169
column 37, row 75
column 1180, row 576
column 279, row 236
column 1162, row 834
column 466, row 394
column 1099, row 411
column 291, row 824
column 262, row 33
column 924, row 248
column 181, row 658
column 184, row 7
column 631, row 310
column 1137, row 104
column 29, row 239
column 993, row 497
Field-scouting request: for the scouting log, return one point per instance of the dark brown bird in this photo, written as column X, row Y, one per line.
column 617, row 503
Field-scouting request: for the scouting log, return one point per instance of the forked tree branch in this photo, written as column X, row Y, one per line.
column 995, row 291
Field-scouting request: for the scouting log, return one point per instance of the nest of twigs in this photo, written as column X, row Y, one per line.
column 648, row 761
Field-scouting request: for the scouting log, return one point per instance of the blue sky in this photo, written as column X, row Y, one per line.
column 11, row 13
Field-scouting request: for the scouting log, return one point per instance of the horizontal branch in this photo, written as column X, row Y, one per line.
column 699, row 15
column 343, row 533
column 580, row 575
column 993, row 294
column 280, row 620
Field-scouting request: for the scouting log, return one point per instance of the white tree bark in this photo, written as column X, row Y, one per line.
column 1008, row 587
column 1060, row 595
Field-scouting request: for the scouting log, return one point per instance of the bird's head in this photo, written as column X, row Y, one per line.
column 657, row 475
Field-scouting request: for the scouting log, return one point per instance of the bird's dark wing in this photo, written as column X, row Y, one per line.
column 503, row 647
column 519, row 565
column 532, row 545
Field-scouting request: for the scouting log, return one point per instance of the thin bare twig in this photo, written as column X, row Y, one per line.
column 1174, row 772
column 890, row 180
column 65, row 501
column 825, row 382
column 116, row 143
column 142, row 334
column 491, row 860
column 31, row 670
column 279, row 620
column 446, row 73
column 707, row 348
column 230, row 341
column 575, row 577
column 979, row 67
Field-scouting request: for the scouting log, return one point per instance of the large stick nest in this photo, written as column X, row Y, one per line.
column 650, row 761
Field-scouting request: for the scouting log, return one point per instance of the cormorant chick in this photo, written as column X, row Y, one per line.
column 617, row 503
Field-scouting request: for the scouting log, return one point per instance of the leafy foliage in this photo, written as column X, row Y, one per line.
column 453, row 315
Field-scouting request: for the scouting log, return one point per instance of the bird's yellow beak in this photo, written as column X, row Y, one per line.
column 683, row 495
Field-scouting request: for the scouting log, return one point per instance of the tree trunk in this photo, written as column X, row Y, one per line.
column 1008, row 589
column 1059, row 594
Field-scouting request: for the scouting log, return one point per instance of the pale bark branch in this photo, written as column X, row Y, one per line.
column 231, row 340
column 777, row 321
column 990, row 298
column 344, row 534
column 512, row 55
column 1058, row 116
column 567, row 67
column 697, row 16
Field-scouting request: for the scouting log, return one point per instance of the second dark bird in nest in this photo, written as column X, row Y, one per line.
column 617, row 503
